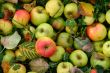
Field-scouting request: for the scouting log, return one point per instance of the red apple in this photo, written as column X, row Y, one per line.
column 96, row 31
column 21, row 18
column 93, row 71
column 45, row 46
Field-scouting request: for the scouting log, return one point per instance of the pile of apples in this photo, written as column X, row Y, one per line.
column 54, row 28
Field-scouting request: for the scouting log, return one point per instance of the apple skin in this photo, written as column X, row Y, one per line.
column 86, row 9
column 54, row 8
column 45, row 47
column 108, row 34
column 44, row 30
column 26, row 1
column 108, row 16
column 39, row 15
column 101, row 17
column 98, row 46
column 5, row 26
column 71, row 11
column 64, row 67
column 99, row 59
column 78, row 58
column 93, row 71
column 57, row 56
column 72, row 30
column 21, row 18
column 106, row 48
column 64, row 39
column 89, row 20
column 94, row 31
column 58, row 23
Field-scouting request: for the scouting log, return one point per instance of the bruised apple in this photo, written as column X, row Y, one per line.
column 21, row 18
column 96, row 31
column 45, row 46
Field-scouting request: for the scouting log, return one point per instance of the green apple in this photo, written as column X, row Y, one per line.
column 100, row 59
column 44, row 30
column 64, row 67
column 54, row 8
column 5, row 26
column 101, row 17
column 57, row 56
column 71, row 11
column 71, row 29
column 108, row 34
column 64, row 39
column 98, row 46
column 78, row 58
column 108, row 16
column 39, row 15
column 8, row 6
column 106, row 48
column 89, row 20
column 17, row 68
column 31, row 72
column 58, row 23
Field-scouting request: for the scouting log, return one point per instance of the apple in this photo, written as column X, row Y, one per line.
column 19, row 56
column 71, row 11
column 5, row 26
column 76, row 70
column 57, row 56
column 17, row 68
column 8, row 6
column 71, row 29
column 58, row 23
column 94, row 31
column 108, row 34
column 107, row 16
column 89, row 20
column 86, row 9
column 64, row 39
column 78, row 58
column 31, row 72
column 39, row 15
column 44, row 30
column 106, row 48
column 21, row 18
column 12, row 1
column 54, row 8
column 98, row 45
column 101, row 17
column 45, row 47
column 64, row 67
column 99, row 59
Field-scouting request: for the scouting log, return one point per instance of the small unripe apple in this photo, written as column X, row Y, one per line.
column 39, row 15
column 5, row 26
column 101, row 17
column 79, row 58
column 64, row 67
column 89, row 20
column 54, row 8
column 57, row 56
column 44, row 30
column 71, row 11
column 21, row 18
column 108, row 16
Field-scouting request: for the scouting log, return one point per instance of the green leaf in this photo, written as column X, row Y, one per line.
column 66, row 57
